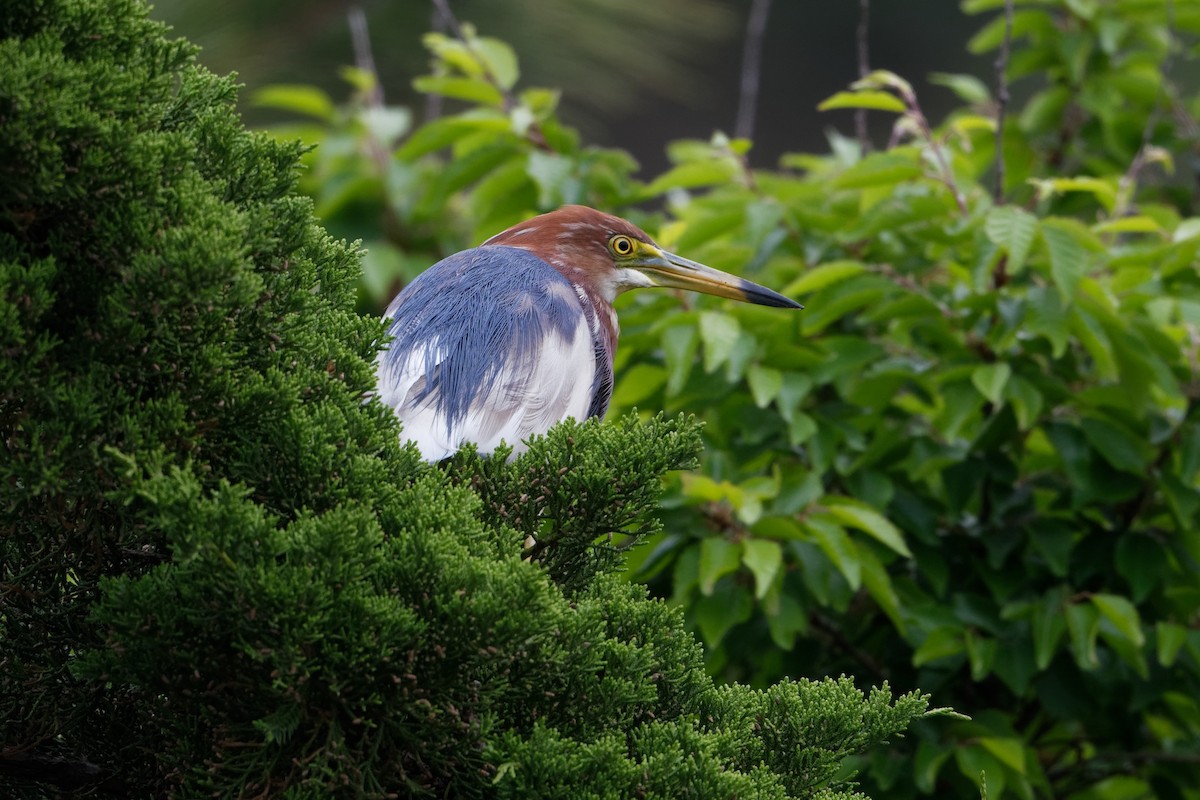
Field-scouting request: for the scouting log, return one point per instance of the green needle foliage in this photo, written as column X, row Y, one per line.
column 221, row 572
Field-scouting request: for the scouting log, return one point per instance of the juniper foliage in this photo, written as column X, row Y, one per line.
column 221, row 573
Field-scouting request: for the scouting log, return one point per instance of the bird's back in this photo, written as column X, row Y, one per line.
column 491, row 344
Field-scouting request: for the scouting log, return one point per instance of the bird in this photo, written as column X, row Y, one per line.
column 502, row 341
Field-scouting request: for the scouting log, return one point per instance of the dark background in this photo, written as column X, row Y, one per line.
column 634, row 74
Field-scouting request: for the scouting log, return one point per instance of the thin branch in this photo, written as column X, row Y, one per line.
column 864, row 67
column 364, row 59
column 946, row 176
column 1002, row 98
column 756, row 28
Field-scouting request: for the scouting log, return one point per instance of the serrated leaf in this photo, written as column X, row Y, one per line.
column 859, row 515
column 763, row 558
column 1123, row 615
column 1013, row 229
column 874, row 100
column 1068, row 261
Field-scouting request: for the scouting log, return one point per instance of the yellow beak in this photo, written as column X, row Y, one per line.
column 677, row 272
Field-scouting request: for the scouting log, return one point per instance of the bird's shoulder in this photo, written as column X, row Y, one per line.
column 487, row 289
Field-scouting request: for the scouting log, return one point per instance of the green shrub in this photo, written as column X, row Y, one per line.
column 222, row 575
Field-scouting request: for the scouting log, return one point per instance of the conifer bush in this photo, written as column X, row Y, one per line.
column 223, row 575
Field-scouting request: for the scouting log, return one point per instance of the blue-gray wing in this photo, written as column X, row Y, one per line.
column 490, row 344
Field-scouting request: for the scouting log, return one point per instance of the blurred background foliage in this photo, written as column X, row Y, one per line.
column 972, row 465
column 632, row 74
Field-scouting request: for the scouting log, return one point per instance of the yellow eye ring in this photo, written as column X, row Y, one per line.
column 621, row 246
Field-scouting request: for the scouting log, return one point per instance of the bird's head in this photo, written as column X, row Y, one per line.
column 607, row 255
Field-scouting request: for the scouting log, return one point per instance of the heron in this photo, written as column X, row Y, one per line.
column 502, row 341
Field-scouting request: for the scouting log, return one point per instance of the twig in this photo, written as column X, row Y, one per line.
column 1002, row 98
column 916, row 115
column 364, row 59
column 756, row 28
column 864, row 67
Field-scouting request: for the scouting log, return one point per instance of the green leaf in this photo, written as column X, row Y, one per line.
column 718, row 557
column 715, row 615
column 471, row 90
column 824, row 275
column 883, row 79
column 765, row 384
column 859, row 515
column 1009, row 751
column 1049, row 625
column 927, row 763
column 1104, row 190
column 982, row 769
column 1170, row 638
column 1013, row 229
column 1083, row 623
column 1025, row 400
column 875, row 100
column 500, row 59
column 679, row 344
column 990, row 380
column 719, row 332
column 763, row 558
column 1119, row 446
column 789, row 620
column 836, row 544
column 1068, row 261
column 880, row 169
column 941, row 642
column 301, row 99
column 1122, row 614
column 637, row 383
column 445, row 131
column 879, row 585
column 691, row 175
column 968, row 88
column 1134, row 224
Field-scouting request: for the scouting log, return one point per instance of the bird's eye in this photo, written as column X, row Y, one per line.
column 621, row 245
